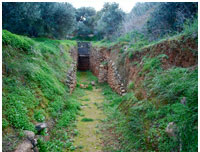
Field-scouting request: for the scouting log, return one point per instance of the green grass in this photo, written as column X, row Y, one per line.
column 34, row 89
column 152, row 64
column 134, row 40
column 170, row 87
column 90, row 77
column 141, row 123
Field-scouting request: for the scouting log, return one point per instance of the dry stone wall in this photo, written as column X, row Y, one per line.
column 114, row 79
column 96, row 58
column 71, row 77
column 71, row 74
column 105, row 69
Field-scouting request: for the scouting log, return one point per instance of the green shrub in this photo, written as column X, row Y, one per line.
column 65, row 119
column 173, row 84
column 56, row 107
column 152, row 64
column 90, row 87
column 130, row 54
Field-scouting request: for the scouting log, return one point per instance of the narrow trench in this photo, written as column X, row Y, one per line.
column 89, row 137
column 88, row 122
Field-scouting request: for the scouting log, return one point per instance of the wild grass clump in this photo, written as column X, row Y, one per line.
column 103, row 43
column 173, row 84
column 129, row 128
column 152, row 64
column 87, row 119
column 53, row 145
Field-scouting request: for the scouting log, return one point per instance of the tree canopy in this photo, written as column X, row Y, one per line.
column 85, row 17
column 110, row 19
column 60, row 20
column 39, row 19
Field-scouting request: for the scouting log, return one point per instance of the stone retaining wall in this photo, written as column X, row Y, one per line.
column 105, row 69
column 114, row 79
column 71, row 74
column 96, row 58
column 71, row 77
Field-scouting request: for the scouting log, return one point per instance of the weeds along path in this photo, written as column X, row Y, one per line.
column 89, row 137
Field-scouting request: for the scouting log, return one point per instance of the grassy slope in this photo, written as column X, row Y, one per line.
column 143, row 125
column 34, row 90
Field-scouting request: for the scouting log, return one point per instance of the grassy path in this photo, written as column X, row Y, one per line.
column 89, row 138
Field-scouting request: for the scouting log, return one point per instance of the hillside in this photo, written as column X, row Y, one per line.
column 35, row 90
column 159, row 88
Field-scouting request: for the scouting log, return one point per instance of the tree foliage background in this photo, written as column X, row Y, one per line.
column 61, row 20
column 85, row 17
column 170, row 17
column 39, row 19
column 109, row 20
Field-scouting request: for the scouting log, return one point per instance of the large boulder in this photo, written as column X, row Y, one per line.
column 25, row 146
column 171, row 129
column 92, row 83
column 40, row 126
column 184, row 101
column 29, row 134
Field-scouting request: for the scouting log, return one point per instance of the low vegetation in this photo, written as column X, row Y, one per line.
column 34, row 88
column 141, row 124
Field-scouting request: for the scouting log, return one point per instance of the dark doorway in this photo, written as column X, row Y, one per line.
column 83, row 56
